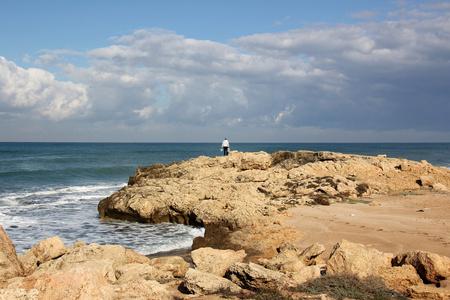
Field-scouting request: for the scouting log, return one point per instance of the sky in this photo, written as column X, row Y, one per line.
column 249, row 70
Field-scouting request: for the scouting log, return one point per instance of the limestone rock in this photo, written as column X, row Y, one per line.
column 253, row 276
column 291, row 259
column 42, row 252
column 400, row 278
column 429, row 292
column 21, row 294
column 439, row 187
column 134, row 271
column 426, row 180
column 198, row 282
column 142, row 289
column 10, row 265
column 304, row 275
column 104, row 259
column 430, row 266
column 257, row 242
column 176, row 265
column 215, row 261
column 77, row 283
column 312, row 251
column 228, row 195
column 357, row 259
column 285, row 261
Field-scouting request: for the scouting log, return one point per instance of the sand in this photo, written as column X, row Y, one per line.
column 392, row 223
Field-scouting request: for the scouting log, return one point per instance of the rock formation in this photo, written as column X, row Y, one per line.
column 241, row 201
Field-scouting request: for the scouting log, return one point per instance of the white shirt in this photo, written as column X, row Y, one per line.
column 225, row 143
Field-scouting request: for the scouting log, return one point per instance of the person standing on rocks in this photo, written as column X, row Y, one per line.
column 225, row 147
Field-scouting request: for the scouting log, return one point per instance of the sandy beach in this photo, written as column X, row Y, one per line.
column 418, row 220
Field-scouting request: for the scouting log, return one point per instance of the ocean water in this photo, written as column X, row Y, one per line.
column 49, row 189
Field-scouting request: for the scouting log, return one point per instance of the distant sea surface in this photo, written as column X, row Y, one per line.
column 49, row 189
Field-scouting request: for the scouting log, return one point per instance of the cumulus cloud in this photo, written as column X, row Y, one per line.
column 389, row 75
column 34, row 93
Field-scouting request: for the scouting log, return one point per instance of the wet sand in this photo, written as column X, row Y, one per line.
column 394, row 223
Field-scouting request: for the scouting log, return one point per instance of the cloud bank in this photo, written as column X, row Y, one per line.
column 377, row 79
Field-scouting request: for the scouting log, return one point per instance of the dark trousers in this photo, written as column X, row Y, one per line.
column 225, row 151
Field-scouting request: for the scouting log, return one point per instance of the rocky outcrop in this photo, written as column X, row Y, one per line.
column 230, row 195
column 430, row 266
column 350, row 258
column 200, row 283
column 113, row 272
column 215, row 261
column 241, row 201
column 10, row 266
column 42, row 252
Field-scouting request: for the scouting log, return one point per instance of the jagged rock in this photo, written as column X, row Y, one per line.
column 357, row 259
column 429, row 292
column 304, row 275
column 200, row 283
column 427, row 180
column 142, row 289
column 312, row 251
column 215, row 261
column 226, row 195
column 10, row 265
column 77, row 283
column 439, row 187
column 105, row 259
column 291, row 259
column 130, row 272
column 176, row 265
column 21, row 294
column 430, row 266
column 400, row 278
column 78, row 244
column 257, row 242
column 286, row 261
column 253, row 276
column 42, row 252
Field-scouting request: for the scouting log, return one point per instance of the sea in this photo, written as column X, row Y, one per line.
column 52, row 189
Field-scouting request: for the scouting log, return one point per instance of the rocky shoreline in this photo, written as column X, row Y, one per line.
column 242, row 201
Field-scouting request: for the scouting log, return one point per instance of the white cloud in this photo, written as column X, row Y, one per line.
column 34, row 93
column 368, row 77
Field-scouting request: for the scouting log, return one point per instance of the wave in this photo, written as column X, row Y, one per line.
column 59, row 195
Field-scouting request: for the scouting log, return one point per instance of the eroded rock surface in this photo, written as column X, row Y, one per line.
column 235, row 195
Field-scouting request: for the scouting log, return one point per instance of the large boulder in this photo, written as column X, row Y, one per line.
column 400, row 278
column 304, row 275
column 176, row 265
column 291, row 259
column 201, row 283
column 253, row 276
column 134, row 271
column 142, row 289
column 351, row 258
column 427, row 291
column 260, row 241
column 77, row 283
column 21, row 294
column 431, row 267
column 286, row 261
column 42, row 252
column 10, row 265
column 215, row 261
column 104, row 259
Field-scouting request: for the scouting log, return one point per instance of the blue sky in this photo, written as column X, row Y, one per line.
column 196, row 71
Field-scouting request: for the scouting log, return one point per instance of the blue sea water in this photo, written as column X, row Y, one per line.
column 49, row 189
